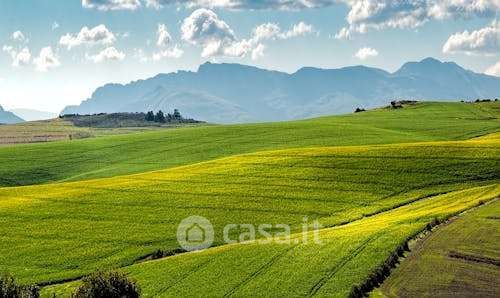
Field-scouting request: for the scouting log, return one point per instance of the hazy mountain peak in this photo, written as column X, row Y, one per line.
column 229, row 92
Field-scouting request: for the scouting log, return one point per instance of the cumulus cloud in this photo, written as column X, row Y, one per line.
column 494, row 70
column 258, row 52
column 18, row 36
column 97, row 35
column 365, row 53
column 108, row 54
column 46, row 60
column 482, row 41
column 205, row 29
column 380, row 14
column 20, row 57
column 164, row 37
column 269, row 31
column 245, row 4
column 299, row 29
column 112, row 4
column 174, row 52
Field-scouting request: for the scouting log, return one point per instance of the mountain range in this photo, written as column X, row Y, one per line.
column 7, row 117
column 229, row 93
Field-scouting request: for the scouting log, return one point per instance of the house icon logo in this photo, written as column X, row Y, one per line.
column 195, row 233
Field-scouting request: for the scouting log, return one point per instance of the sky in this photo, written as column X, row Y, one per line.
column 57, row 52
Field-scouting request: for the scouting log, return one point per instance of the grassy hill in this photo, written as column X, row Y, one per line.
column 97, row 158
column 372, row 179
column 58, row 231
column 344, row 257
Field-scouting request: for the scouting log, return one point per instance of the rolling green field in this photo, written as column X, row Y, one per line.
column 372, row 179
column 136, row 153
column 345, row 256
column 58, row 231
column 461, row 259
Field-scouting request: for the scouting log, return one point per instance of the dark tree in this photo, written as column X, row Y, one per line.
column 10, row 289
column 160, row 117
column 150, row 116
column 107, row 284
column 177, row 114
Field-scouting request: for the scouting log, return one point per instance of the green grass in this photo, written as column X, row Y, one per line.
column 57, row 231
column 134, row 153
column 345, row 256
column 430, row 271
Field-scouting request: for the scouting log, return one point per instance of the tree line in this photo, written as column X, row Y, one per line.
column 160, row 117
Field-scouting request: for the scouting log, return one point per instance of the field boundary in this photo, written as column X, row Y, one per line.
column 380, row 274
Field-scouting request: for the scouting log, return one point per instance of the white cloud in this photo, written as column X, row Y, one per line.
column 269, row 31
column 55, row 25
column 112, row 4
column 164, row 38
column 494, row 70
column 266, row 31
column 299, row 29
column 46, row 60
column 97, row 35
column 204, row 28
column 19, row 58
column 18, row 36
column 380, row 14
column 108, row 54
column 482, row 41
column 365, row 53
column 258, row 52
column 245, row 4
column 174, row 52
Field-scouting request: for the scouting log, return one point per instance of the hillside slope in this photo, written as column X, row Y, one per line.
column 233, row 93
column 344, row 257
column 57, row 231
column 95, row 158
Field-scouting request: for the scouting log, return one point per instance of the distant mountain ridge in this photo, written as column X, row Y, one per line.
column 228, row 93
column 7, row 117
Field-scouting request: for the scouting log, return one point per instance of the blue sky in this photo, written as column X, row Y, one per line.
column 40, row 69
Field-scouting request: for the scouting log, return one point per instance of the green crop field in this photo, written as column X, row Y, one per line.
column 372, row 180
column 344, row 256
column 459, row 260
column 135, row 153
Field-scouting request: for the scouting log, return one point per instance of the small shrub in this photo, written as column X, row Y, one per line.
column 10, row 289
column 107, row 284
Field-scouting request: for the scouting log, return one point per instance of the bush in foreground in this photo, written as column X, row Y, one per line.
column 10, row 289
column 109, row 284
